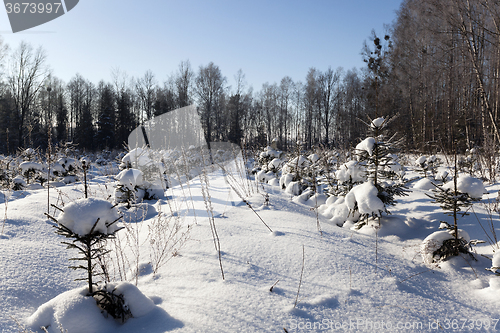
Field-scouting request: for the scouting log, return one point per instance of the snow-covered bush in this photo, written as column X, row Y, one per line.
column 268, row 155
column 31, row 171
column 29, row 154
column 6, row 173
column 443, row 244
column 470, row 163
column 129, row 186
column 364, row 199
column 348, row 175
column 453, row 196
column 422, row 166
column 433, row 163
column 18, row 183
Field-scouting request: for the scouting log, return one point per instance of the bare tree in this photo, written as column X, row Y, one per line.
column 27, row 76
column 145, row 88
column 210, row 86
column 4, row 49
column 285, row 97
column 183, row 83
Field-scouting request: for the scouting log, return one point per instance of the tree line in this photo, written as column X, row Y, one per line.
column 436, row 68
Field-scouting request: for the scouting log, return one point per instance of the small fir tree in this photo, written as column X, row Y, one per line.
column 453, row 201
column 377, row 153
column 89, row 240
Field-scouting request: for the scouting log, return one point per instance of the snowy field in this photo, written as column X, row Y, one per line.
column 307, row 275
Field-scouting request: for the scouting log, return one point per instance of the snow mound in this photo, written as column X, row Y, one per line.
column 424, row 184
column 19, row 180
column 275, row 163
column 339, row 212
column 467, row 184
column 138, row 304
column 303, row 197
column 57, row 168
column 25, row 166
column 293, row 188
column 366, row 145
column 299, row 161
column 76, row 312
column 264, row 177
column 130, row 178
column 274, row 182
column 81, row 215
column 316, row 200
column 365, row 195
column 68, row 163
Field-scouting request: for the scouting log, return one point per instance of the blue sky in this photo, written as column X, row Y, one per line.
column 267, row 40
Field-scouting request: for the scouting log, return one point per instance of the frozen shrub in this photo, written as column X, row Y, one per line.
column 348, row 175
column 30, row 170
column 443, row 244
column 453, row 196
column 129, row 186
column 422, row 165
column 132, row 188
column 18, row 183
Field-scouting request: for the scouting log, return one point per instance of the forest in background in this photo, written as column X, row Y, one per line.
column 436, row 68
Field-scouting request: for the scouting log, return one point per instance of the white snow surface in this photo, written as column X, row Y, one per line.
column 138, row 304
column 81, row 215
column 349, row 278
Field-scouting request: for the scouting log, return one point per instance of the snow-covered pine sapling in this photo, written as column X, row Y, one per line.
column 459, row 193
column 422, row 165
column 30, row 170
column 377, row 153
column 469, row 163
column 89, row 223
column 128, row 188
column 433, row 162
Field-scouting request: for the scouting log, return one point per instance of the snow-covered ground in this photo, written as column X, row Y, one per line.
column 335, row 279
